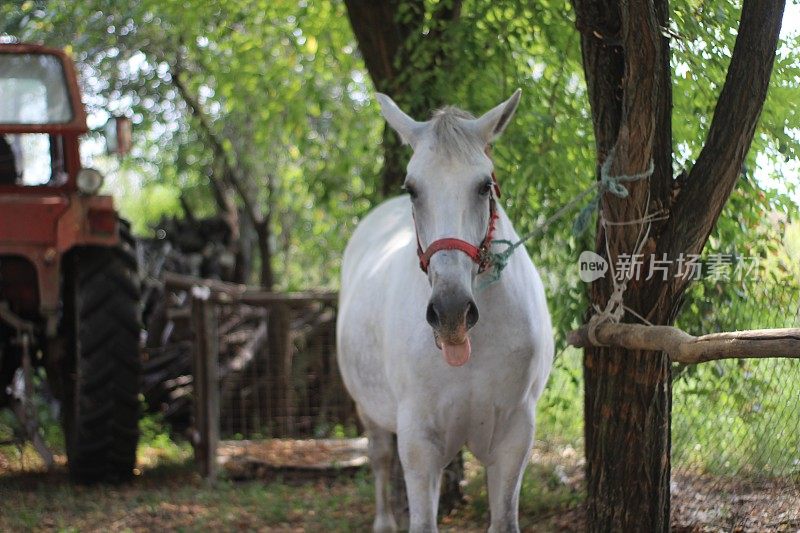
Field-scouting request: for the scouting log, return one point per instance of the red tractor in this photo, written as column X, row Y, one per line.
column 69, row 284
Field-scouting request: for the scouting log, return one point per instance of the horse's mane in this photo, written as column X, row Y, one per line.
column 451, row 137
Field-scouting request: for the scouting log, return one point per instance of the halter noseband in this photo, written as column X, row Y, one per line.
column 479, row 254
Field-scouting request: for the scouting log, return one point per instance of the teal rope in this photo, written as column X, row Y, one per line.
column 607, row 183
column 613, row 184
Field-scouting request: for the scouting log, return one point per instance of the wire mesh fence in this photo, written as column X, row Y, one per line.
column 306, row 399
column 736, row 423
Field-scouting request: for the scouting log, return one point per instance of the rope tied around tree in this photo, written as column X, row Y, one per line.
column 615, row 306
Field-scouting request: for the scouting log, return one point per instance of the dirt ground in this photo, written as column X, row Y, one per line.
column 715, row 504
column 167, row 495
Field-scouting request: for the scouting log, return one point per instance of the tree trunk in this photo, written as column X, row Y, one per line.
column 263, row 238
column 628, row 393
column 399, row 41
column 627, row 408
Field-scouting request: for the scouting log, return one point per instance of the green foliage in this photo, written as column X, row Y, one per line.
column 149, row 204
column 280, row 83
column 47, row 415
column 156, row 441
column 559, row 413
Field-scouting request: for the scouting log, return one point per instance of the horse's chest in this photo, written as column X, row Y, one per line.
column 480, row 400
column 481, row 420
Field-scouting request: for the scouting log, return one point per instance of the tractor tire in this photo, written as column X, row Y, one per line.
column 100, row 413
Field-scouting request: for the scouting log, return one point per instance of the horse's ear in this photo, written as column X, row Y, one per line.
column 408, row 128
column 493, row 122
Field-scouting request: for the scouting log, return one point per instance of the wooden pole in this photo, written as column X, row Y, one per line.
column 279, row 368
column 206, row 382
column 685, row 348
column 225, row 292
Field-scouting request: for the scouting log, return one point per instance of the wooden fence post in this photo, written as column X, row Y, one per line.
column 279, row 369
column 206, row 382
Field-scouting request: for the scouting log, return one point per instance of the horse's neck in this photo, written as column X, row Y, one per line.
column 503, row 228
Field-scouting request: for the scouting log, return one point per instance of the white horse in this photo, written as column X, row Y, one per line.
column 411, row 348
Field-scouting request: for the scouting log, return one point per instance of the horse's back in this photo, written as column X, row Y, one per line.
column 380, row 251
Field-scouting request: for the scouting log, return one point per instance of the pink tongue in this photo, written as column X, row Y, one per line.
column 457, row 354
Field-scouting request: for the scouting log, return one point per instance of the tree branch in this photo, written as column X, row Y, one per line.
column 231, row 171
column 685, row 348
column 719, row 165
column 232, row 176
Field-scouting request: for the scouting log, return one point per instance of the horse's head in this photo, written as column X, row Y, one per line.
column 449, row 180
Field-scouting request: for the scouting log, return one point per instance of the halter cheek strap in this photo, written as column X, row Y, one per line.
column 479, row 254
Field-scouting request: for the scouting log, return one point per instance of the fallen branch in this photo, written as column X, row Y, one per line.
column 685, row 348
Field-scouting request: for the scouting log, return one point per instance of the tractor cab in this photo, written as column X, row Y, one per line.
column 48, row 202
column 36, row 104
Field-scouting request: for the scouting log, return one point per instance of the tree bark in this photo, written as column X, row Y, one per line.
column 390, row 35
column 628, row 392
column 278, row 373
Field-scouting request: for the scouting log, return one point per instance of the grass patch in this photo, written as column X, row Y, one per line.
column 172, row 497
column 168, row 495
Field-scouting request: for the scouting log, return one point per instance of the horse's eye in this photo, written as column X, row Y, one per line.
column 412, row 192
column 486, row 188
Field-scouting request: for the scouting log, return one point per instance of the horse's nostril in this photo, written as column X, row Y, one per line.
column 472, row 314
column 432, row 316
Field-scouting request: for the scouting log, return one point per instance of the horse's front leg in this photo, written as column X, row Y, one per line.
column 504, row 472
column 423, row 460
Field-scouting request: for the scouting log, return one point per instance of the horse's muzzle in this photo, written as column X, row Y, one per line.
column 451, row 316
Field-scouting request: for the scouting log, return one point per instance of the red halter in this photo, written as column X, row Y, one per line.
column 479, row 254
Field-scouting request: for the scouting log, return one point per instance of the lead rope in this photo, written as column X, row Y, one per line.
column 607, row 183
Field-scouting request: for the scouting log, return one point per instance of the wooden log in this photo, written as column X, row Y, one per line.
column 224, row 292
column 279, row 366
column 685, row 348
column 233, row 374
